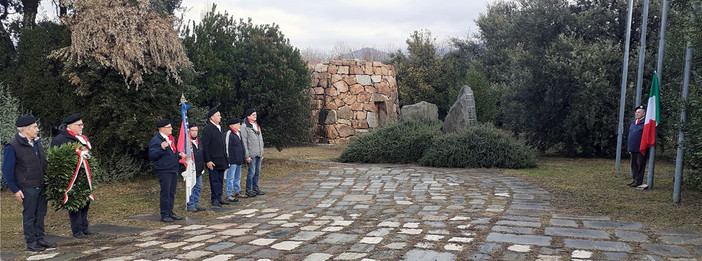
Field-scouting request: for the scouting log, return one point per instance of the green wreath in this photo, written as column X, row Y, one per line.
column 62, row 164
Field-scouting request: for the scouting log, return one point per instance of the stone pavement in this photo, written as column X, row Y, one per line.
column 395, row 212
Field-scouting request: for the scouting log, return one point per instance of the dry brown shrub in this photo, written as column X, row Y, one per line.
column 124, row 35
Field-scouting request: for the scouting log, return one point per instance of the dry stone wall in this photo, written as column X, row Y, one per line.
column 350, row 97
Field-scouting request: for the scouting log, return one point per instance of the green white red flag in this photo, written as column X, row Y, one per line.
column 648, row 139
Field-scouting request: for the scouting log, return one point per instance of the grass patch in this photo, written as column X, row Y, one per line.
column 593, row 187
column 115, row 201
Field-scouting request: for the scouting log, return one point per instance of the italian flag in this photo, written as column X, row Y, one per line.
column 648, row 139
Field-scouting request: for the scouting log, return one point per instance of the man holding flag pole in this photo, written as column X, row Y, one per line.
column 648, row 139
column 185, row 147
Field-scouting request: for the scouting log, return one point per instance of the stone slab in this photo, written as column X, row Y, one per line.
column 417, row 254
column 574, row 232
column 667, row 250
column 519, row 239
column 680, row 240
column 612, row 225
column 598, row 245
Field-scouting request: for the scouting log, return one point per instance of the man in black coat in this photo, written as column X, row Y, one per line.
column 23, row 167
column 235, row 154
column 213, row 152
column 199, row 168
column 162, row 151
column 72, row 131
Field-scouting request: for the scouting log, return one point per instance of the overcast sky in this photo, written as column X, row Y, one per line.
column 324, row 25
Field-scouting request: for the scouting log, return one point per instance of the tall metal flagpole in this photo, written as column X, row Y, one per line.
column 679, row 157
column 659, row 70
column 622, row 98
column 642, row 52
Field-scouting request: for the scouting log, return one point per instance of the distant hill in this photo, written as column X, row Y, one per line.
column 367, row 54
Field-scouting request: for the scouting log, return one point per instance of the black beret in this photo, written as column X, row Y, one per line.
column 72, row 118
column 233, row 121
column 25, row 121
column 249, row 112
column 162, row 123
column 640, row 107
column 212, row 112
column 190, row 125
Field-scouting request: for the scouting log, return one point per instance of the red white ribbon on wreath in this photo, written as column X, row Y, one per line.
column 82, row 161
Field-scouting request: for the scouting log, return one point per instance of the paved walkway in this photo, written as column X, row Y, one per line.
column 396, row 212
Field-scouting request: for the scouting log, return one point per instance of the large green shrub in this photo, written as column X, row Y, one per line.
column 400, row 142
column 481, row 146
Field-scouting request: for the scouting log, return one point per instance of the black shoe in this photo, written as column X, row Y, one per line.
column 216, row 204
column 80, row 235
column 167, row 219
column 46, row 244
column 174, row 217
column 631, row 183
column 88, row 232
column 223, row 202
column 193, row 209
column 251, row 193
column 35, row 247
column 259, row 192
column 199, row 208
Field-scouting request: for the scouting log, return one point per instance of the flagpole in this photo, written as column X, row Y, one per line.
column 622, row 98
column 681, row 136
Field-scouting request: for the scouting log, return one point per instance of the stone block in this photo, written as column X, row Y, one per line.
column 574, row 232
column 359, row 124
column 421, row 110
column 357, row 106
column 519, row 239
column 462, row 113
column 339, row 102
column 336, row 77
column 344, row 113
column 383, row 88
column 370, row 107
column 359, row 115
column 350, row 98
column 666, row 250
column 327, row 116
column 372, row 120
column 355, row 69
column 344, row 130
column 356, row 88
column 343, row 70
column 375, row 97
column 332, row 69
column 612, row 225
column 331, row 132
column 363, row 79
column 350, row 80
column 370, row 89
column 376, row 78
column 364, row 97
column 341, row 86
column 598, row 245
column 320, row 67
column 331, row 92
column 318, row 90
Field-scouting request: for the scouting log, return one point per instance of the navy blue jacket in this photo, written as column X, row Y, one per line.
column 197, row 158
column 635, row 133
column 235, row 148
column 164, row 160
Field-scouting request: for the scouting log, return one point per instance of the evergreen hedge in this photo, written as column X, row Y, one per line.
column 422, row 142
column 401, row 142
column 481, row 146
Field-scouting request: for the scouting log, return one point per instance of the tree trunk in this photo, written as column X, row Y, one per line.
column 30, row 8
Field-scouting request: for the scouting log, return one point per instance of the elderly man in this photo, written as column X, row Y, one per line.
column 253, row 146
column 199, row 168
column 213, row 152
column 638, row 160
column 162, row 151
column 235, row 154
column 72, row 131
column 23, row 167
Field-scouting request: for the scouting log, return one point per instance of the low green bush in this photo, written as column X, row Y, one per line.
column 481, row 146
column 118, row 167
column 399, row 142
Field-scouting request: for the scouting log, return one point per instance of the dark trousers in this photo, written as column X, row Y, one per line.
column 638, row 165
column 34, row 204
column 216, row 176
column 168, row 181
column 79, row 219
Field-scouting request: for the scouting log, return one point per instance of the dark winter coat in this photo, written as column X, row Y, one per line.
column 213, row 146
column 235, row 148
column 164, row 160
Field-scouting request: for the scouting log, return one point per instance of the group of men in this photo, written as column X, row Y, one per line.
column 24, row 165
column 222, row 152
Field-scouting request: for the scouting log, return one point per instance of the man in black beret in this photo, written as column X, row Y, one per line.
column 72, row 131
column 199, row 168
column 638, row 160
column 23, row 167
column 235, row 154
column 162, row 151
column 213, row 152
column 253, row 147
